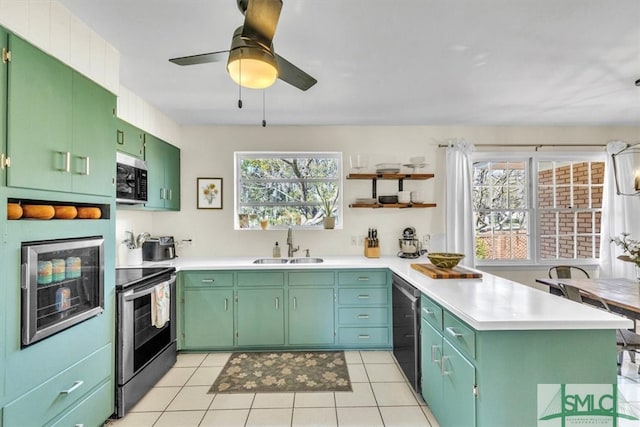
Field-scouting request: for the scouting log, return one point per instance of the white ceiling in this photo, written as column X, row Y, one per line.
column 389, row 62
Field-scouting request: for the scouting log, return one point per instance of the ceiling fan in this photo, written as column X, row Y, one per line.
column 251, row 60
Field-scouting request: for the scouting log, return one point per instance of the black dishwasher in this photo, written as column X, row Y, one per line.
column 406, row 329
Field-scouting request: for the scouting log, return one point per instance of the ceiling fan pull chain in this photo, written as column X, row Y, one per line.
column 264, row 121
column 240, row 81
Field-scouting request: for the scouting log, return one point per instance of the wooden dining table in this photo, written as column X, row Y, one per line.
column 622, row 295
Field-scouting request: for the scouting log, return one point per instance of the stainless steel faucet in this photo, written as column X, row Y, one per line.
column 291, row 249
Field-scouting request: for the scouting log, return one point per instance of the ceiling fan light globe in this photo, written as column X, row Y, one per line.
column 252, row 68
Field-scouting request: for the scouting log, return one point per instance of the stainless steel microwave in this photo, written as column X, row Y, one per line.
column 131, row 179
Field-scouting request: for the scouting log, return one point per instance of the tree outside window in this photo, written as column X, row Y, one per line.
column 297, row 189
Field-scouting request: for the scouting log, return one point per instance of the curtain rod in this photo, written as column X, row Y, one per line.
column 536, row 146
column 531, row 145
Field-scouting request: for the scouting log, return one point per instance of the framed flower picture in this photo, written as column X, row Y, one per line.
column 209, row 193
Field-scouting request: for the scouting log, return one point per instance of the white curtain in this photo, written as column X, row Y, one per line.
column 458, row 207
column 619, row 214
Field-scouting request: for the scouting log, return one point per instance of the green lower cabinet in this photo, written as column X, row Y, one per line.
column 208, row 321
column 448, row 380
column 260, row 317
column 311, row 316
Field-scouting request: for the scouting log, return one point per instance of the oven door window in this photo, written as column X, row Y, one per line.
column 148, row 340
column 62, row 286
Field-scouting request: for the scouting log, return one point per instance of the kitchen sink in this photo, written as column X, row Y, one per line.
column 271, row 261
column 306, row 260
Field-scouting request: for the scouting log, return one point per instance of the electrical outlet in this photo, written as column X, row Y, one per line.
column 426, row 239
column 354, row 240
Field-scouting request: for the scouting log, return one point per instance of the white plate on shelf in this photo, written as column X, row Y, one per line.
column 415, row 166
column 388, row 168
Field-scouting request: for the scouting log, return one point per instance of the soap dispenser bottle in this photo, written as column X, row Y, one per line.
column 276, row 251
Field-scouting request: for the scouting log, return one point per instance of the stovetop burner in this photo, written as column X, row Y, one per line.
column 126, row 277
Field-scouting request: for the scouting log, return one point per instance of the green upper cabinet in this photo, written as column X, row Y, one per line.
column 163, row 163
column 59, row 126
column 4, row 48
column 39, row 119
column 93, row 160
column 129, row 139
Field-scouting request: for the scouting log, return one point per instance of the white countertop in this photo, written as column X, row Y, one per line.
column 489, row 303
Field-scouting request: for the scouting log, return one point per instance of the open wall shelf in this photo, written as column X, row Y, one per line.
column 400, row 177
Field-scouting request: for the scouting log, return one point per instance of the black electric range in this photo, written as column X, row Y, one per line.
column 126, row 277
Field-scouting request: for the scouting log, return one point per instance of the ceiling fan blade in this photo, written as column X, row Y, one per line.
column 293, row 75
column 202, row 58
column 261, row 19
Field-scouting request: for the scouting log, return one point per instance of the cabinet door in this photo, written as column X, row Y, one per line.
column 129, row 139
column 163, row 161
column 4, row 45
column 93, row 156
column 260, row 317
column 208, row 318
column 154, row 155
column 172, row 178
column 459, row 378
column 39, row 119
column 431, row 349
column 311, row 316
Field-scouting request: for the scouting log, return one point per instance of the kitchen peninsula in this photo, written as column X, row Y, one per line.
column 505, row 337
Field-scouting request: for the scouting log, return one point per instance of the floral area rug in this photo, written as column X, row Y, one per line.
column 283, row 372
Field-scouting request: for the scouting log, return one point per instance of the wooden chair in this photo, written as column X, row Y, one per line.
column 626, row 340
column 567, row 272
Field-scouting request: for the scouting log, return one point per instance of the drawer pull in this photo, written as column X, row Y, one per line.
column 226, row 304
column 76, row 385
column 363, row 279
column 295, row 303
column 363, row 316
column 363, row 296
column 453, row 332
column 429, row 312
column 277, row 303
column 207, row 280
column 363, row 337
column 434, row 347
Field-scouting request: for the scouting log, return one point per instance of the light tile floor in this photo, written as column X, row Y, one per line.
column 380, row 397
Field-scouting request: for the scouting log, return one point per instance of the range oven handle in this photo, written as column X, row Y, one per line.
column 149, row 290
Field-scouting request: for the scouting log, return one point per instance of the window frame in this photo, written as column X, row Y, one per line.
column 531, row 160
column 240, row 155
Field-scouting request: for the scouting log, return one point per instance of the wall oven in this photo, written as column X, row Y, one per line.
column 62, row 284
column 406, row 329
column 145, row 335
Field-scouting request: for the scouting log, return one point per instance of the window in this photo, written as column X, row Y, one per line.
column 552, row 217
column 287, row 189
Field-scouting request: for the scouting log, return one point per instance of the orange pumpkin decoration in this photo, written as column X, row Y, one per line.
column 38, row 211
column 89, row 213
column 14, row 211
column 65, row 212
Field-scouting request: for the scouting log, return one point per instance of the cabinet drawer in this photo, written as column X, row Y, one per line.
column 460, row 335
column 362, row 277
column 196, row 279
column 363, row 316
column 363, row 296
column 315, row 278
column 54, row 396
column 363, row 336
column 261, row 278
column 92, row 411
column 431, row 312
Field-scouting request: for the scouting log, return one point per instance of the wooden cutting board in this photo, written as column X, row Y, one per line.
column 456, row 272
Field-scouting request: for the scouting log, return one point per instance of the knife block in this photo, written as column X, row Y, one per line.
column 371, row 252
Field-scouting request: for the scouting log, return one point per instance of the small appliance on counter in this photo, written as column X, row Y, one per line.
column 158, row 248
column 409, row 244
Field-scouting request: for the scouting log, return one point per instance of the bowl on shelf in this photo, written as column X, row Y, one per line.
column 385, row 200
column 444, row 259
